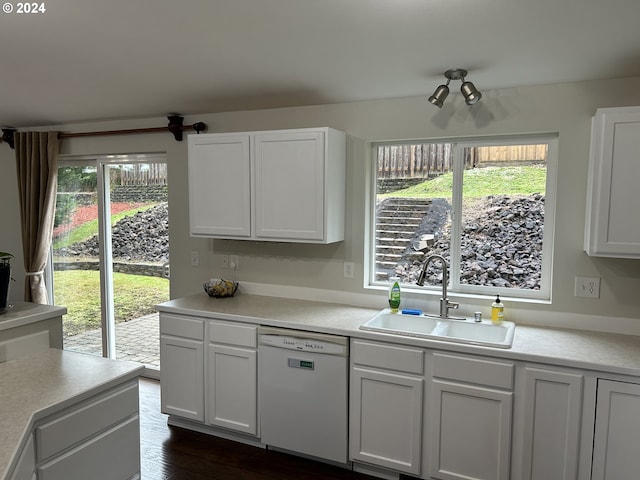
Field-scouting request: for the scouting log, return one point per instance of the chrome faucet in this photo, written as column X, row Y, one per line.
column 445, row 304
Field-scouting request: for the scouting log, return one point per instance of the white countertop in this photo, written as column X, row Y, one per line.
column 38, row 385
column 23, row 313
column 611, row 353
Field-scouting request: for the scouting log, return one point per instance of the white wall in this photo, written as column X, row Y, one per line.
column 563, row 108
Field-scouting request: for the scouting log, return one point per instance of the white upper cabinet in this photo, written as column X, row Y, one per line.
column 219, row 185
column 280, row 185
column 612, row 226
column 289, row 185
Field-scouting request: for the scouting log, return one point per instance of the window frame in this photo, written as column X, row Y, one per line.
column 455, row 287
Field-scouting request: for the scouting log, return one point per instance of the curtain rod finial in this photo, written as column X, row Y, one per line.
column 8, row 136
column 200, row 127
column 175, row 126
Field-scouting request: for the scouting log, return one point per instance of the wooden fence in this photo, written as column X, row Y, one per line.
column 431, row 159
column 140, row 174
column 513, row 153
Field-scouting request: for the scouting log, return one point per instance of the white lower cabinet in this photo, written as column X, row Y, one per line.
column 470, row 415
column 432, row 414
column 182, row 366
column 97, row 439
column 216, row 385
column 551, row 415
column 112, row 455
column 24, row 332
column 26, row 466
column 24, row 345
column 616, row 451
column 385, row 416
column 232, row 377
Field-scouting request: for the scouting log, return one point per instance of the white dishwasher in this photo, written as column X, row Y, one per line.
column 303, row 385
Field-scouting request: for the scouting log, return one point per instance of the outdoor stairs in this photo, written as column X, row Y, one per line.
column 398, row 220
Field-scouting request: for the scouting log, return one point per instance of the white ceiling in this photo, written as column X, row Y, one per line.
column 87, row 60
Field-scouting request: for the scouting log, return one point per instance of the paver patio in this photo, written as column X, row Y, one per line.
column 137, row 340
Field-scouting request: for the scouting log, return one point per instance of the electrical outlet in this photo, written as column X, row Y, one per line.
column 348, row 269
column 233, row 262
column 588, row 287
column 195, row 258
column 225, row 261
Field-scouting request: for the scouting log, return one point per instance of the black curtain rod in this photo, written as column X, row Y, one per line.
column 175, row 126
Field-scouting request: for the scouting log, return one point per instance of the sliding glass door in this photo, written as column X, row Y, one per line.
column 111, row 254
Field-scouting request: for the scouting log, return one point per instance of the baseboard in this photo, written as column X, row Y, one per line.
column 216, row 432
column 377, row 472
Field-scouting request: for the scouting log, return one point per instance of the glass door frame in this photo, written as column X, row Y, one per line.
column 102, row 162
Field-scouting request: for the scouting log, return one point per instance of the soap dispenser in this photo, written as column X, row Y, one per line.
column 497, row 311
column 394, row 294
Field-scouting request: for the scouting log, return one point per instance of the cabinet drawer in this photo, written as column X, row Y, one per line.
column 473, row 370
column 115, row 454
column 390, row 357
column 179, row 326
column 91, row 417
column 233, row 334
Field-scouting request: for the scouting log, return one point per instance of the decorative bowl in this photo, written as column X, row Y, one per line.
column 220, row 288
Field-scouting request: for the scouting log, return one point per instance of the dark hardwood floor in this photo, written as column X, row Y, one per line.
column 172, row 453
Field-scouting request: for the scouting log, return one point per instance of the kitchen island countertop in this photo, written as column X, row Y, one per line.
column 35, row 386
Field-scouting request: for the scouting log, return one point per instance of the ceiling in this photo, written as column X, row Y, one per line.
column 113, row 59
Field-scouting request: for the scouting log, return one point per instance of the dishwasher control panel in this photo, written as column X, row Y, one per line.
column 303, row 344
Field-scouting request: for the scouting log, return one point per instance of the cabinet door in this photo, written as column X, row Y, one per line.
column 219, row 185
column 617, row 433
column 553, row 406
column 182, row 377
column 289, row 185
column 386, row 419
column 470, row 432
column 612, row 228
column 26, row 466
column 232, row 390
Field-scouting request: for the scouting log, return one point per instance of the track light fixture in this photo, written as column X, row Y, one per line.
column 469, row 91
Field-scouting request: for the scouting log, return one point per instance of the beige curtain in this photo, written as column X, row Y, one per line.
column 37, row 166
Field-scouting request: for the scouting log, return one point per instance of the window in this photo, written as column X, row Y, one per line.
column 486, row 206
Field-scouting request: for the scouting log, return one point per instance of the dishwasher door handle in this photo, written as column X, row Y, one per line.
column 303, row 364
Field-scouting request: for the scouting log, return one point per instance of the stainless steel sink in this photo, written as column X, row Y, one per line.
column 466, row 330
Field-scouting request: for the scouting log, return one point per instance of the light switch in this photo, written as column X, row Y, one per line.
column 348, row 269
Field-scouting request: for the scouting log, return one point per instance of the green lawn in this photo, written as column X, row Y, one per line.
column 79, row 291
column 481, row 182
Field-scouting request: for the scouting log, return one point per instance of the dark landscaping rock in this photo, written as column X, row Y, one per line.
column 501, row 245
column 140, row 237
